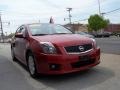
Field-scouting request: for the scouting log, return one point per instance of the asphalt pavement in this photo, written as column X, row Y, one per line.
column 109, row 45
column 105, row 76
column 11, row 77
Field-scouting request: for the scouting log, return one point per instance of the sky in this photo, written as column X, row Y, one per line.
column 19, row 12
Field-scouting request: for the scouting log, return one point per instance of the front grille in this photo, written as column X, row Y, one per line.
column 82, row 63
column 76, row 49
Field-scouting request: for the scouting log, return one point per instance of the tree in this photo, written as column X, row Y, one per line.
column 96, row 22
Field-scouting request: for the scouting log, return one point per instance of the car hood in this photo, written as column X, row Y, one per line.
column 90, row 36
column 64, row 39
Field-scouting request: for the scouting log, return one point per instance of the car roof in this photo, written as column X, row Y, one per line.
column 39, row 24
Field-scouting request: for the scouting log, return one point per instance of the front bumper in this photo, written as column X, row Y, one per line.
column 65, row 62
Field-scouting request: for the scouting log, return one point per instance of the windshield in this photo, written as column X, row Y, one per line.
column 48, row 29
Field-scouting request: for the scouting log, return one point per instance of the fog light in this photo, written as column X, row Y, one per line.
column 54, row 67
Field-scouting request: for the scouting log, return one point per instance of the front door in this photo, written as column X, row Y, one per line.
column 21, row 45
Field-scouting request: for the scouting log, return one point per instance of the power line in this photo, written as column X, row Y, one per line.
column 111, row 11
column 101, row 14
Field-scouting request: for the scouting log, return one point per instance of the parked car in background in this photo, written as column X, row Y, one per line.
column 85, row 34
column 53, row 49
column 103, row 34
column 116, row 34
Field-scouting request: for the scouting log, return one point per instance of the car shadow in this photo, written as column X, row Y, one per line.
column 78, row 80
column 22, row 65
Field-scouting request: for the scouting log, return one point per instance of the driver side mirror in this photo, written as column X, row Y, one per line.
column 19, row 35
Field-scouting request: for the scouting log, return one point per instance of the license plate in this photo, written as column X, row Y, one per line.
column 84, row 58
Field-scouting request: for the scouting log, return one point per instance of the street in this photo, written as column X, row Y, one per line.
column 105, row 76
column 109, row 45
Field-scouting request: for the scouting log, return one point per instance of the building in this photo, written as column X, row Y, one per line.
column 84, row 28
column 77, row 27
column 113, row 28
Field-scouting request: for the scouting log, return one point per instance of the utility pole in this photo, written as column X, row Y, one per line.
column 99, row 7
column 1, row 28
column 69, row 11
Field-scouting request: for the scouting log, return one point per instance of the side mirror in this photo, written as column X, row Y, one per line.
column 19, row 35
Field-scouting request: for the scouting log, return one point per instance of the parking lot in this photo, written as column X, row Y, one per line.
column 105, row 76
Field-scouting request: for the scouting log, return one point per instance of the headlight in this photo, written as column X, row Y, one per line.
column 94, row 43
column 48, row 47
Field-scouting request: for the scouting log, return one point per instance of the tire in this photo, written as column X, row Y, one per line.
column 31, row 65
column 13, row 55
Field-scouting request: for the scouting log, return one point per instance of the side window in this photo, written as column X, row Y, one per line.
column 17, row 31
column 21, row 30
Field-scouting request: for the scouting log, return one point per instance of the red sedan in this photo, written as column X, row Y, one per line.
column 53, row 49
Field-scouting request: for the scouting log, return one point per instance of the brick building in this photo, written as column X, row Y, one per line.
column 83, row 27
column 113, row 28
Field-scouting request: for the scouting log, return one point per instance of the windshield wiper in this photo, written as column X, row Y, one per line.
column 39, row 34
